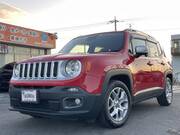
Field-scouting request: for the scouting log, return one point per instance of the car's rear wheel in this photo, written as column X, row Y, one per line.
column 167, row 96
column 117, row 105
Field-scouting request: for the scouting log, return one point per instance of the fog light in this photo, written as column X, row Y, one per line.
column 77, row 101
column 73, row 89
column 73, row 102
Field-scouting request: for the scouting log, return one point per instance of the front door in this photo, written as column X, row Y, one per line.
column 141, row 69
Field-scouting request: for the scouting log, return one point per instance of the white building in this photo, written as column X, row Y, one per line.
column 175, row 51
column 18, row 43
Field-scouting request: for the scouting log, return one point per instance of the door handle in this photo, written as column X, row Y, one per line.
column 149, row 63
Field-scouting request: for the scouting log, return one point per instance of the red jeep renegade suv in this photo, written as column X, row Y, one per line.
column 99, row 75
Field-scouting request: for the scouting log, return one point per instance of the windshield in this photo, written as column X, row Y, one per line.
column 106, row 42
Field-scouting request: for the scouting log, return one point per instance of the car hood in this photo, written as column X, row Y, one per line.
column 55, row 57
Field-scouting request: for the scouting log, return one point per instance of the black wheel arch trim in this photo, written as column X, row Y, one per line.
column 168, row 72
column 116, row 72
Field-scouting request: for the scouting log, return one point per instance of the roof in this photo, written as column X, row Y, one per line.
column 126, row 30
column 141, row 33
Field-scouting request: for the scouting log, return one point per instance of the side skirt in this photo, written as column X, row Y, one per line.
column 147, row 94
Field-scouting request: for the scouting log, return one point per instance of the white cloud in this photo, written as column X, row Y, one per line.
column 9, row 13
column 154, row 14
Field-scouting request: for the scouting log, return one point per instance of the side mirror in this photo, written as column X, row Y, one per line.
column 141, row 50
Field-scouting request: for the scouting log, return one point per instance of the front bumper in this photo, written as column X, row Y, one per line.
column 51, row 103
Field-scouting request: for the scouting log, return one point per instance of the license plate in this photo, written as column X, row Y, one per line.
column 29, row 96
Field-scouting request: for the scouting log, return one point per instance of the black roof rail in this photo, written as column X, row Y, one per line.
column 140, row 32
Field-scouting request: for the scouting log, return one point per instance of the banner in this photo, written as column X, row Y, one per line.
column 26, row 37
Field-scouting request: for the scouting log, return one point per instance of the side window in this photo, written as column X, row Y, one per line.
column 137, row 42
column 153, row 49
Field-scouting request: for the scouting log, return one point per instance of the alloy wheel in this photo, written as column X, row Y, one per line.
column 118, row 104
column 169, row 92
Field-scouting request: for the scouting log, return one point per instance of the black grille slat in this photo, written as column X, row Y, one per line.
column 25, row 70
column 42, row 69
column 49, row 69
column 36, row 70
column 31, row 71
column 21, row 70
column 55, row 70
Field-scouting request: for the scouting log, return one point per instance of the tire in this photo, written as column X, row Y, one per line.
column 116, row 109
column 167, row 96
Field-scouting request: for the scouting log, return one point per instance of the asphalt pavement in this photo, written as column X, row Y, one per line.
column 147, row 118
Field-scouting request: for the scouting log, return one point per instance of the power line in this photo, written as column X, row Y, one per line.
column 78, row 27
column 114, row 21
column 163, row 29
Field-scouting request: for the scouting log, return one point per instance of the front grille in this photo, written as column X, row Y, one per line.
column 40, row 70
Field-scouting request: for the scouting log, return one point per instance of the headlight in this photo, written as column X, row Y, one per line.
column 72, row 68
column 16, row 70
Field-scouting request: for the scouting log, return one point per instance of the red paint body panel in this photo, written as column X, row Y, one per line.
column 95, row 67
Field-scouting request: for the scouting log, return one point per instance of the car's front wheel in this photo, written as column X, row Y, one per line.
column 166, row 98
column 117, row 105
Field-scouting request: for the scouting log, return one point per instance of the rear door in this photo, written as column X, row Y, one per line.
column 158, row 64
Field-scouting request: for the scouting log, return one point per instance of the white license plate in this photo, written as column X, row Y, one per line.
column 29, row 96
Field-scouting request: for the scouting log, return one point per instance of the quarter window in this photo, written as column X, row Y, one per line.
column 153, row 49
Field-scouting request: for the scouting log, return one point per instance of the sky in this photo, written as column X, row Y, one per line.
column 159, row 18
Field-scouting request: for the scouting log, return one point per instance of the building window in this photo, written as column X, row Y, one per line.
column 175, row 44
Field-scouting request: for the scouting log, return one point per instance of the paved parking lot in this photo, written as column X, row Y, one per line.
column 147, row 118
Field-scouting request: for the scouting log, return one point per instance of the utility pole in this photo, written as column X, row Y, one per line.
column 130, row 26
column 115, row 21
